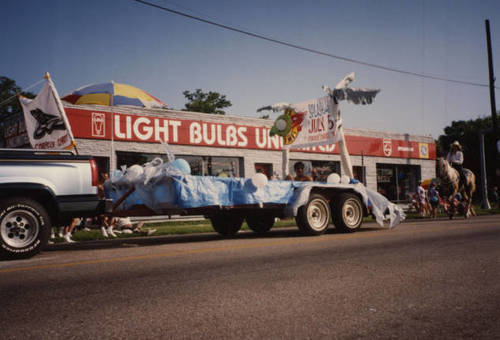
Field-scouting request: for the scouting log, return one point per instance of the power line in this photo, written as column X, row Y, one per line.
column 350, row 60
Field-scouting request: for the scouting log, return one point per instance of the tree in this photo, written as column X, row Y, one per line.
column 9, row 89
column 11, row 111
column 467, row 134
column 211, row 102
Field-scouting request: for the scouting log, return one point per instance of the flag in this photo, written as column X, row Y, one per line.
column 46, row 123
column 309, row 123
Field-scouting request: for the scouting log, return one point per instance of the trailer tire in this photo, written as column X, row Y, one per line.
column 260, row 223
column 24, row 228
column 313, row 218
column 226, row 224
column 347, row 211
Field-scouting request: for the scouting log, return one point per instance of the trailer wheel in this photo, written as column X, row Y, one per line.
column 226, row 224
column 314, row 217
column 260, row 223
column 347, row 212
column 24, row 228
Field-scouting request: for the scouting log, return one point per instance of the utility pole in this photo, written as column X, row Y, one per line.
column 485, row 203
column 492, row 81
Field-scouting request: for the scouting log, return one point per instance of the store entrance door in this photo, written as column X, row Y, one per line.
column 265, row 168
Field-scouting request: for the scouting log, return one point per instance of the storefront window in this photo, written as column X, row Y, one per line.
column 102, row 164
column 200, row 165
column 223, row 166
column 397, row 182
column 319, row 170
column 196, row 163
column 265, row 168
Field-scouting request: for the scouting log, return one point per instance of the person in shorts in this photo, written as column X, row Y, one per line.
column 433, row 195
column 126, row 226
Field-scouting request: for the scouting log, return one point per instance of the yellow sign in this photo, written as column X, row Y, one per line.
column 423, row 150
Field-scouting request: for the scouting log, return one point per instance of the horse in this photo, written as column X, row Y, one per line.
column 450, row 180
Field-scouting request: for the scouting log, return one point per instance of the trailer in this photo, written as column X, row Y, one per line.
column 227, row 202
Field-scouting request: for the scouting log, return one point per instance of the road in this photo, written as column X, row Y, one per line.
column 427, row 279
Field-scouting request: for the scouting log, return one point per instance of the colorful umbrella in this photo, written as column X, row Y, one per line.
column 427, row 182
column 111, row 94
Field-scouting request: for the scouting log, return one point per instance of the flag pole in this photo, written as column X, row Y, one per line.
column 61, row 110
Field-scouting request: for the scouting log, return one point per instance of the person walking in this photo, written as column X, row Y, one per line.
column 69, row 229
column 422, row 199
column 433, row 195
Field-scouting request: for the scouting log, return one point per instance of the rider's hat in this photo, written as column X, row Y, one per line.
column 456, row 144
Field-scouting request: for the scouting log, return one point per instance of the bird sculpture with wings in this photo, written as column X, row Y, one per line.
column 295, row 119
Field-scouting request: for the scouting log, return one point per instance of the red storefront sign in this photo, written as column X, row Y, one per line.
column 149, row 129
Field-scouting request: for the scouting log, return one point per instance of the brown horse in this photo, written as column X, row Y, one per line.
column 450, row 182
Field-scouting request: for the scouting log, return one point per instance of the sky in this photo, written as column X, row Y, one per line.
column 94, row 41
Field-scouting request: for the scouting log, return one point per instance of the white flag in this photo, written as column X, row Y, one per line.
column 46, row 123
column 309, row 123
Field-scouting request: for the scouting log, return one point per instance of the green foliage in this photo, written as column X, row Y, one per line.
column 467, row 134
column 211, row 102
column 8, row 89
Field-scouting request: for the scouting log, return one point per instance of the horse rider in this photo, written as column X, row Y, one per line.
column 456, row 159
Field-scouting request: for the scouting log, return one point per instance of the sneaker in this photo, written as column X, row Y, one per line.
column 104, row 232
column 67, row 238
column 151, row 231
column 50, row 242
column 110, row 232
column 86, row 229
column 61, row 234
column 52, row 235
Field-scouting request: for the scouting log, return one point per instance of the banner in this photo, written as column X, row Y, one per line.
column 46, row 123
column 309, row 123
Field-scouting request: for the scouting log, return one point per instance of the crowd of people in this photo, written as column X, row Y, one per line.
column 109, row 228
column 428, row 202
column 108, row 225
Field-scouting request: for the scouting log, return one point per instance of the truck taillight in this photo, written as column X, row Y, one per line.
column 94, row 171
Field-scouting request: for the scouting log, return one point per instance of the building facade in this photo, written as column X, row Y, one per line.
column 221, row 145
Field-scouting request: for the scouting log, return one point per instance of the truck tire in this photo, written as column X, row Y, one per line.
column 347, row 211
column 24, row 228
column 227, row 223
column 260, row 223
column 314, row 217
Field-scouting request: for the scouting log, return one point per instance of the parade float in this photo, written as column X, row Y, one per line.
column 168, row 188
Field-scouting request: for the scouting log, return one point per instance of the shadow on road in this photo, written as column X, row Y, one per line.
column 200, row 237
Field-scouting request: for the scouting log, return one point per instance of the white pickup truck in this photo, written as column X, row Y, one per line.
column 41, row 189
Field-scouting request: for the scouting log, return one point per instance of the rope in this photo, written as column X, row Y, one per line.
column 18, row 93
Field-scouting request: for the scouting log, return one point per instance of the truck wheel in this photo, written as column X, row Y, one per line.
column 226, row 224
column 260, row 223
column 347, row 212
column 314, row 217
column 24, row 228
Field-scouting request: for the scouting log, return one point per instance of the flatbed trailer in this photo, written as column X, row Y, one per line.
column 313, row 204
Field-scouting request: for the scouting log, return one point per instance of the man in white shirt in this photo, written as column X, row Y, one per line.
column 456, row 159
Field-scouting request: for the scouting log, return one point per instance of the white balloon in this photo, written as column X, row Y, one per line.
column 345, row 179
column 259, row 180
column 134, row 171
column 333, row 178
column 281, row 124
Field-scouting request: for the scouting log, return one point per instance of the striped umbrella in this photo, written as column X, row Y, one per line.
column 111, row 94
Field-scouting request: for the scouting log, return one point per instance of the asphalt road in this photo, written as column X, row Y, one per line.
column 432, row 279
